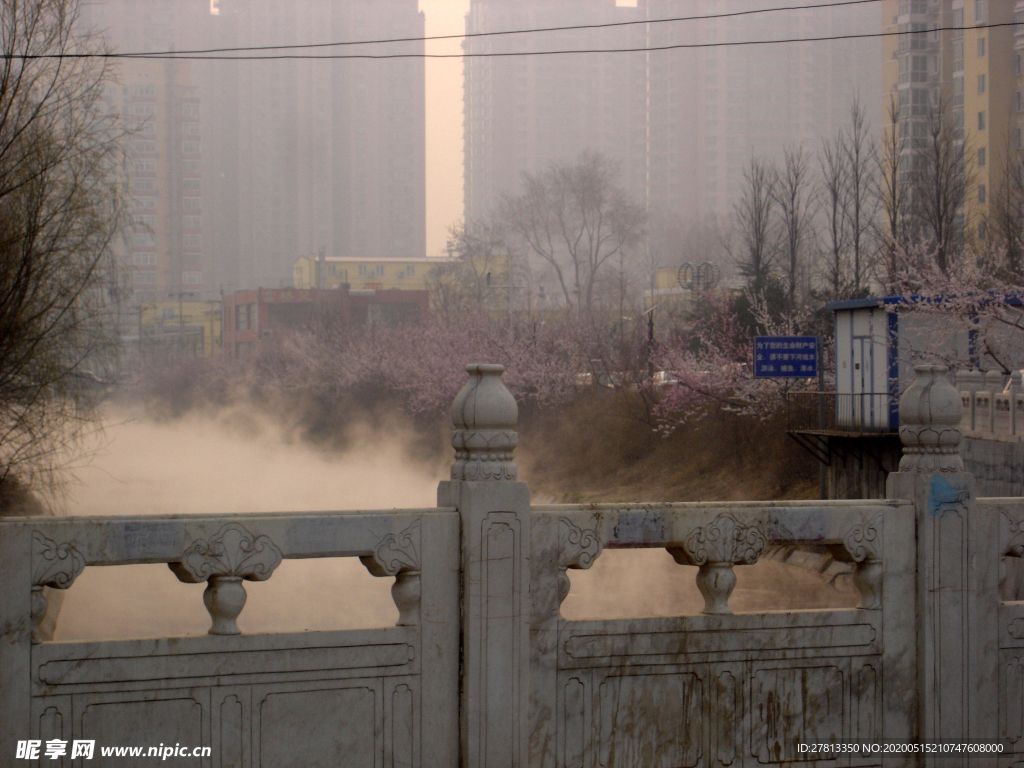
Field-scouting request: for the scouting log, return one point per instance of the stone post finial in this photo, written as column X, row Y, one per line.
column 484, row 415
column 930, row 412
column 972, row 380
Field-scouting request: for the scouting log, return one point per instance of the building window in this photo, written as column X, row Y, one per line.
column 979, row 11
column 1020, row 101
column 981, row 84
column 981, row 121
column 190, row 147
column 1018, row 68
column 981, row 47
column 981, row 193
column 981, row 157
column 380, row 270
column 410, row 270
column 191, row 278
column 982, row 231
column 363, row 271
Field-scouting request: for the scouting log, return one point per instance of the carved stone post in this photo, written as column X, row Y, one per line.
column 495, row 512
column 957, row 568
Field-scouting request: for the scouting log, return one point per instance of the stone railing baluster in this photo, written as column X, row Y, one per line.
column 716, row 549
column 223, row 562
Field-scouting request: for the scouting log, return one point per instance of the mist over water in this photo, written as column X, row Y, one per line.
column 238, row 461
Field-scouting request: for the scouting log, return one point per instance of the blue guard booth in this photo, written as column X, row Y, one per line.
column 877, row 346
column 855, row 432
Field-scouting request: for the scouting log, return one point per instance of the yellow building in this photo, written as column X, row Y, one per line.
column 976, row 71
column 170, row 329
column 363, row 274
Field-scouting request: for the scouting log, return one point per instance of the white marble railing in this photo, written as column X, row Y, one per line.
column 483, row 671
column 989, row 407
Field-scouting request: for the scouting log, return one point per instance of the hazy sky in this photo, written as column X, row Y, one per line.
column 444, row 119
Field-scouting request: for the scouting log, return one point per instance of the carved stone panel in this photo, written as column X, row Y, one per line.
column 338, row 726
column 1011, row 694
column 651, row 720
column 142, row 719
column 790, row 706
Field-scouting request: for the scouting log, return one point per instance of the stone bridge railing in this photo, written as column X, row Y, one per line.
column 483, row 670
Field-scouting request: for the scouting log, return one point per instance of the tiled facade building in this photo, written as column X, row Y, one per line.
column 977, row 74
column 683, row 123
column 296, row 156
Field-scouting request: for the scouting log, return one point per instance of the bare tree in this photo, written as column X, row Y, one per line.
column 941, row 181
column 485, row 271
column 60, row 209
column 835, row 204
column 1006, row 214
column 860, row 154
column 793, row 192
column 575, row 219
column 893, row 194
column 753, row 222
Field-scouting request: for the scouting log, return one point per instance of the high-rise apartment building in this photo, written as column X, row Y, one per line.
column 297, row 156
column 711, row 109
column 969, row 68
column 163, row 247
column 683, row 122
column 524, row 112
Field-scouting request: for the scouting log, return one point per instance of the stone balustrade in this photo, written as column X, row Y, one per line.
column 991, row 408
column 483, row 671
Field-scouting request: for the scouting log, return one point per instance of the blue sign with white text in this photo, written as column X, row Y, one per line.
column 786, row 357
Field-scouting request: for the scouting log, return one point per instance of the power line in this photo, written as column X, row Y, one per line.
column 465, row 35
column 642, row 49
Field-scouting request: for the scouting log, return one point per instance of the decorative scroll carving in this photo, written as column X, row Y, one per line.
column 398, row 555
column 1015, row 544
column 864, row 540
column 716, row 548
column 930, row 413
column 223, row 561
column 484, row 415
column 53, row 565
column 724, row 541
column 580, row 546
column 579, row 549
column 863, row 544
column 396, row 552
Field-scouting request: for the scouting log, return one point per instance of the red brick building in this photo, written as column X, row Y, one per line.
column 258, row 319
